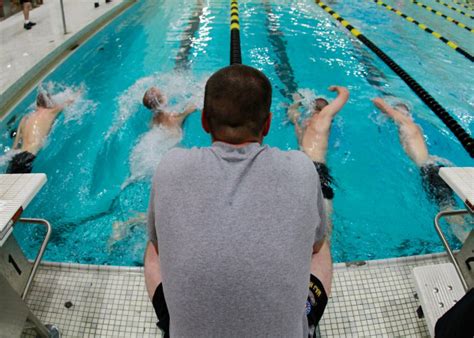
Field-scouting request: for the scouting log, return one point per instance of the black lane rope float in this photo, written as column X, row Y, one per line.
column 441, row 14
column 235, row 51
column 454, row 9
column 182, row 61
column 462, row 5
column 464, row 138
column 423, row 27
column 283, row 67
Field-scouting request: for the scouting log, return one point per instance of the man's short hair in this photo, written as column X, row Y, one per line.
column 237, row 103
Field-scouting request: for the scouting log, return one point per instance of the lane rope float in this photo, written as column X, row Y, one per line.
column 425, row 28
column 454, row 9
column 235, row 51
column 464, row 138
column 465, row 6
column 441, row 14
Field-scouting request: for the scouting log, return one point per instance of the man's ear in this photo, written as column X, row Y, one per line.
column 205, row 123
column 266, row 126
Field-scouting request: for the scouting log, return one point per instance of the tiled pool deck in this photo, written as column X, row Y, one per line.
column 373, row 299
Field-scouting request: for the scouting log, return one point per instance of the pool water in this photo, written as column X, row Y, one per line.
column 101, row 152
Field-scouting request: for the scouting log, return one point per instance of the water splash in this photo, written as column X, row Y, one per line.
column 148, row 152
column 180, row 88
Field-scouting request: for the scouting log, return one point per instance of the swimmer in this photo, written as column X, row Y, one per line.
column 155, row 101
column 413, row 142
column 32, row 132
column 313, row 134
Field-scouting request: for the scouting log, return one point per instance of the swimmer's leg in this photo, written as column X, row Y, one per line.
column 321, row 266
column 26, row 10
column 152, row 269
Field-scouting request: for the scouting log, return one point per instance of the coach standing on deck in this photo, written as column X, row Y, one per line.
column 235, row 229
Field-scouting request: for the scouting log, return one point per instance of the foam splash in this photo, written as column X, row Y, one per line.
column 60, row 94
column 146, row 155
column 179, row 88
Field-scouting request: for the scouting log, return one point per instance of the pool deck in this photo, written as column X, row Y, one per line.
column 373, row 298
column 27, row 55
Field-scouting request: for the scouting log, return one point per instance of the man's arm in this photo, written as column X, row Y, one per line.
column 19, row 132
column 336, row 105
column 397, row 116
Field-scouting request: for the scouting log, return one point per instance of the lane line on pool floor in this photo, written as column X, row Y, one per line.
column 182, row 61
column 464, row 138
column 283, row 67
column 454, row 9
column 235, row 50
column 441, row 14
column 426, row 29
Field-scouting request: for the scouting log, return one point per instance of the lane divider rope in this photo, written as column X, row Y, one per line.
column 428, row 30
column 464, row 138
column 465, row 6
column 455, row 9
column 441, row 14
column 235, row 50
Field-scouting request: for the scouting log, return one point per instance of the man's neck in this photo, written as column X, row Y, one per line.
column 238, row 145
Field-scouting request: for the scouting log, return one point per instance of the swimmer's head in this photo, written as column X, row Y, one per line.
column 154, row 99
column 44, row 100
column 319, row 104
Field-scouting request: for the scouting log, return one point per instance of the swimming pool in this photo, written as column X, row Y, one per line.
column 380, row 209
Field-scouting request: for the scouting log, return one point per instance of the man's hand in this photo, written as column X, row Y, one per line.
column 297, row 98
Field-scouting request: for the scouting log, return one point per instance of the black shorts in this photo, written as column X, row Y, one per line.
column 161, row 310
column 320, row 299
column 434, row 185
column 21, row 163
column 24, row 1
column 326, row 180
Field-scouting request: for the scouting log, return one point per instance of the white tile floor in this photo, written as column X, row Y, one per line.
column 21, row 49
column 376, row 299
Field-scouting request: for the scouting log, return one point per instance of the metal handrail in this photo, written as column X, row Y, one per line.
column 39, row 256
column 446, row 244
column 63, row 16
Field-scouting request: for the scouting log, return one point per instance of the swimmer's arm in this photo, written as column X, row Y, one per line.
column 191, row 108
column 294, row 115
column 60, row 107
column 19, row 134
column 398, row 117
column 337, row 104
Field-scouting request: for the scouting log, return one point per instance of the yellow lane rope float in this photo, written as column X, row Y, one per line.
column 441, row 14
column 454, row 9
column 425, row 28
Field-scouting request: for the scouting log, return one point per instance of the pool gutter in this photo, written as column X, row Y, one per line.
column 18, row 90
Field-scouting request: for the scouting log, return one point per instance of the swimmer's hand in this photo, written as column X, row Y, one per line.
column 340, row 90
column 379, row 103
column 297, row 98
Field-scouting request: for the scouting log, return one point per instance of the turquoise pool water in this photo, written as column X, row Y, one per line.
column 101, row 152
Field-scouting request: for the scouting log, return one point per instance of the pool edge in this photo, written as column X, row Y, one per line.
column 337, row 266
column 21, row 87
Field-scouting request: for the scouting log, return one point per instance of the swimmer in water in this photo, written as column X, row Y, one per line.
column 313, row 134
column 155, row 101
column 32, row 132
column 413, row 142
